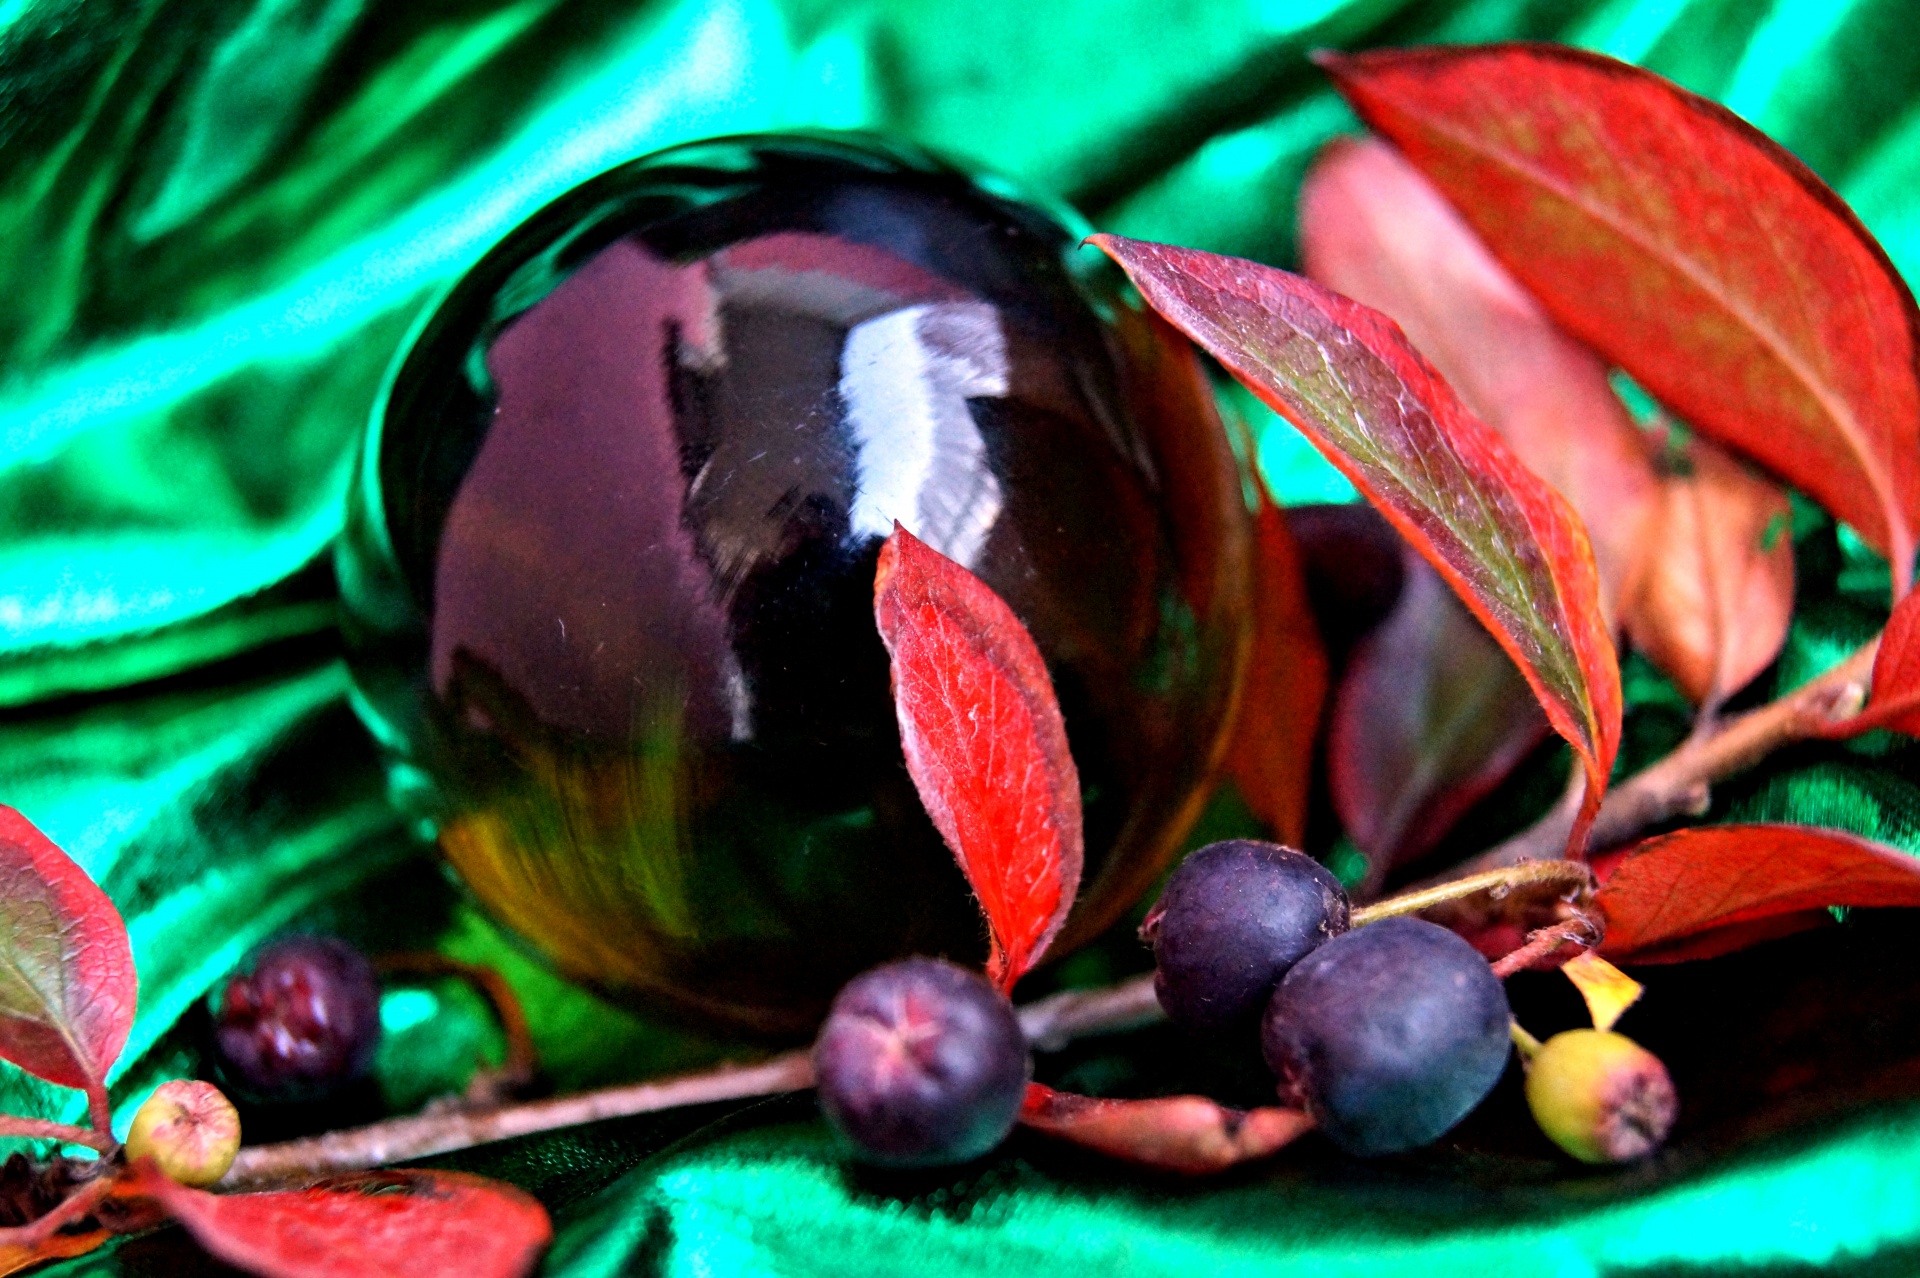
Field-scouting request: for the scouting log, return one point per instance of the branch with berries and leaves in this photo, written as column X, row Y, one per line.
column 1473, row 275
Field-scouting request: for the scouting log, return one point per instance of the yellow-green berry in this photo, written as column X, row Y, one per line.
column 1601, row 1096
column 189, row 1129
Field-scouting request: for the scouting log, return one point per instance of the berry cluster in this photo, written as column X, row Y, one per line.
column 1388, row 1034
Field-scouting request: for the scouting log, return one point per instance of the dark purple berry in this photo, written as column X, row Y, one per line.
column 299, row 1021
column 1233, row 919
column 1388, row 1035
column 921, row 1063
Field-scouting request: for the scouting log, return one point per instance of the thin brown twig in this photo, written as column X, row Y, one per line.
column 1544, row 942
column 1497, row 883
column 41, row 1129
column 442, row 1131
column 1680, row 784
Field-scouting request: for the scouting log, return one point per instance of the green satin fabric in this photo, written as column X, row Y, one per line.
column 218, row 219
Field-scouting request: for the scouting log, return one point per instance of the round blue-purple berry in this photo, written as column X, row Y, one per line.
column 299, row 1021
column 1234, row 918
column 1388, row 1035
column 921, row 1063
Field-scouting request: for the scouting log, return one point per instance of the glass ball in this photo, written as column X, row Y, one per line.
column 609, row 563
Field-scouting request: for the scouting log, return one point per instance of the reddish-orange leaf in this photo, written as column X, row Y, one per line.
column 1715, row 592
column 1346, row 375
column 1686, row 247
column 1372, row 227
column 1712, row 889
column 985, row 745
column 380, row 1224
column 1894, row 701
column 67, row 987
column 1431, row 715
column 1190, row 1135
column 15, row 1257
column 1271, row 756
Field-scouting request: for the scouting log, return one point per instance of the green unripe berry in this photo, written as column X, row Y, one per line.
column 189, row 1129
column 1600, row 1096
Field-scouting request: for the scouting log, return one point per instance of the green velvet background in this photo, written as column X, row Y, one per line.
column 217, row 220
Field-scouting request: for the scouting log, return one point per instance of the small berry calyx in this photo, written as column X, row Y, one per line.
column 1388, row 1035
column 920, row 1064
column 1601, row 1096
column 189, row 1129
column 1234, row 919
column 299, row 1022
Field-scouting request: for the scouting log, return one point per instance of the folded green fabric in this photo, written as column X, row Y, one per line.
column 217, row 223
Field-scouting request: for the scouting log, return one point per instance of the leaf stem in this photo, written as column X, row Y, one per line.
column 41, row 1129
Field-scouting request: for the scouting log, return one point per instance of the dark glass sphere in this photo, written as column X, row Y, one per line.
column 609, row 568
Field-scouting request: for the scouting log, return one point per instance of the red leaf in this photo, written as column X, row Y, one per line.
column 1715, row 593
column 1190, row 1135
column 1712, row 889
column 1347, row 377
column 985, row 745
column 1373, row 228
column 1684, row 246
column 67, row 986
column 1271, row 756
column 1431, row 715
column 380, row 1224
column 1894, row 701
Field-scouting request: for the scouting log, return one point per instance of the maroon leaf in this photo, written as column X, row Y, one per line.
column 1712, row 889
column 1894, row 701
column 1271, row 755
column 1715, row 593
column 1431, row 715
column 985, row 745
column 67, row 986
column 1190, row 1135
column 1508, row 544
column 380, row 1224
column 1686, row 247
column 1373, row 228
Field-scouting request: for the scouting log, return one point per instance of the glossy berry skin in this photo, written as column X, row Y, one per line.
column 1601, row 1096
column 299, row 1022
column 1233, row 920
column 608, row 571
column 921, row 1064
column 1388, row 1035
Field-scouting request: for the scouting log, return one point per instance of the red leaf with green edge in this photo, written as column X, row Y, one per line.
column 1894, row 697
column 985, row 745
column 1715, row 594
column 1346, row 375
column 1431, row 715
column 1373, row 228
column 67, row 985
column 1190, row 1135
column 1270, row 758
column 1712, row 889
column 380, row 1224
column 1686, row 247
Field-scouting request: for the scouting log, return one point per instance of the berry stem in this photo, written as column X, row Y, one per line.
column 1498, row 882
column 522, row 1060
column 41, row 1129
column 1527, row 1044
